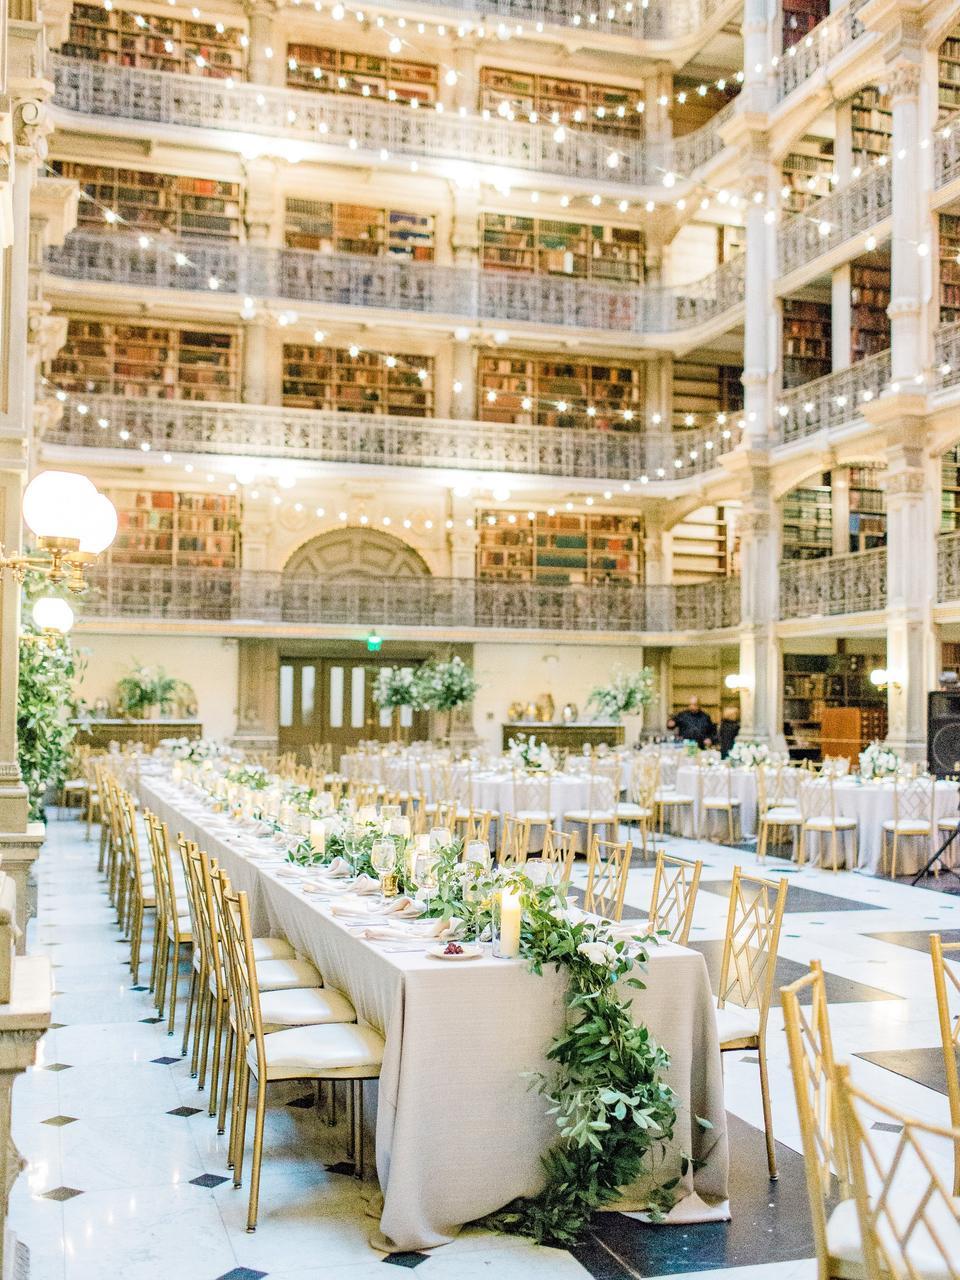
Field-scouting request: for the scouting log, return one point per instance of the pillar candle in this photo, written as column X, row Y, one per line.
column 509, row 924
column 318, row 834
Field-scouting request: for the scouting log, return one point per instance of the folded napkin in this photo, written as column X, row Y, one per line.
column 351, row 905
column 366, row 884
column 424, row 929
column 338, row 867
column 627, row 930
column 404, row 907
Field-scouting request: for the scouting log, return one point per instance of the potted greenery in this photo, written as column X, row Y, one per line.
column 147, row 692
column 623, row 699
column 444, row 686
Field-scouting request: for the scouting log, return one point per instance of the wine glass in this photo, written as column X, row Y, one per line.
column 383, row 858
column 425, row 870
column 388, row 811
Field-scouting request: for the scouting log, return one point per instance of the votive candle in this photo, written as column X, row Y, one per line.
column 509, row 924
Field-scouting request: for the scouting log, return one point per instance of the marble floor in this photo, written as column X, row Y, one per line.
column 125, row 1174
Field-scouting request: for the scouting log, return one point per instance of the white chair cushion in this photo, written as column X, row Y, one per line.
column 782, row 816
column 633, row 811
column 734, row 1023
column 843, row 1238
column 272, row 949
column 720, row 802
column 908, row 826
column 672, row 797
column 184, row 928
column 585, row 815
column 536, row 816
column 335, row 1049
column 283, row 975
column 828, row 824
column 304, row 1007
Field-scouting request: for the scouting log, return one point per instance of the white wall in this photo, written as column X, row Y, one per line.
column 208, row 663
column 522, row 672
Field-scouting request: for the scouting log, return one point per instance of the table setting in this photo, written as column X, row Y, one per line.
column 468, row 973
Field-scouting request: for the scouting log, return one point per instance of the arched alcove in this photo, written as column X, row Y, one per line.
column 356, row 553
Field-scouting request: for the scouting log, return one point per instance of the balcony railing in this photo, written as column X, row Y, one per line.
column 395, row 284
column 831, row 401
column 817, row 49
column 948, row 567
column 946, row 151
column 215, row 595
column 299, row 116
column 268, row 431
column 662, row 20
column 855, row 583
column 854, row 210
column 947, row 356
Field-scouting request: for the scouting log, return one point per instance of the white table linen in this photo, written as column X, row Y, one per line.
column 744, row 789
column 459, row 1131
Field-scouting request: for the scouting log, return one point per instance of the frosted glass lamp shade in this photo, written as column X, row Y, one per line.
column 56, row 503
column 53, row 614
column 100, row 525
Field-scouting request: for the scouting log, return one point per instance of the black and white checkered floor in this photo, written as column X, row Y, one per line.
column 125, row 1173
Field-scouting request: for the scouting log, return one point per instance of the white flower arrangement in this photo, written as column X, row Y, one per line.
column 397, row 687
column 527, row 753
column 748, row 755
column 878, row 761
column 443, row 686
column 601, row 953
column 627, row 693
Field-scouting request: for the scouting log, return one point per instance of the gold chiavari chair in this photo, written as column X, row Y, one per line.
column 913, row 819
column 638, row 809
column 715, row 785
column 164, row 903
column 560, row 848
column 813, row 1068
column 329, row 1051
column 903, row 1222
column 470, row 825
column 76, row 785
column 177, row 934
column 601, row 810
column 530, row 796
column 139, row 892
column 674, row 896
column 947, row 979
column 667, row 799
column 778, row 807
column 514, row 843
column 102, row 774
column 200, row 961
column 608, row 865
column 818, row 804
column 114, row 848
column 747, row 972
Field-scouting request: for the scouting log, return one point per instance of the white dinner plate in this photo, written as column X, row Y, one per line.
column 468, row 953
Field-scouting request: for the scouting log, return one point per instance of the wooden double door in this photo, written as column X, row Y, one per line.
column 331, row 700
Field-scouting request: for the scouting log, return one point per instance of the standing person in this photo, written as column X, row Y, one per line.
column 694, row 725
column 729, row 728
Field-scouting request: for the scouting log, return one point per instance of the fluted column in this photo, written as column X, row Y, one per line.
column 265, row 62
column 909, row 230
column 760, row 661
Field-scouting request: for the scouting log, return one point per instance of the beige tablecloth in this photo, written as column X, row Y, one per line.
column 459, row 1131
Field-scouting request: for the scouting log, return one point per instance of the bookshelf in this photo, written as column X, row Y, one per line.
column 167, row 528
column 704, row 390
column 807, row 521
column 867, row 498
column 177, row 45
column 949, row 268
column 700, row 546
column 360, row 75
column 546, row 247
column 869, row 299
column 697, row 109
column 148, row 361
column 566, row 548
column 599, row 108
column 949, row 74
column 871, row 124
column 356, row 228
column 316, row 377
column 547, row 382
column 806, row 174
column 950, row 491
column 806, row 341
column 697, row 672
column 156, row 202
column 800, row 17
column 816, row 689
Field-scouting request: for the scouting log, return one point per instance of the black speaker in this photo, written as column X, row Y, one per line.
column 943, row 733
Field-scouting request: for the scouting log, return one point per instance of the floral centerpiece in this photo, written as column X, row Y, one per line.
column 748, row 755
column 878, row 761
column 196, row 750
column 148, row 689
column 444, row 686
column 625, row 695
column 397, row 687
column 525, row 752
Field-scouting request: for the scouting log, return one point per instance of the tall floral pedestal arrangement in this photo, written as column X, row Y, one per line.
column 447, row 688
column 397, row 688
column 623, row 699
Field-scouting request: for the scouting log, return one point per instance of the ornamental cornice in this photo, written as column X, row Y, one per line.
column 903, row 78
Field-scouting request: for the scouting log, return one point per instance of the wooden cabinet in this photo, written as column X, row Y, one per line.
column 845, row 731
column 564, row 737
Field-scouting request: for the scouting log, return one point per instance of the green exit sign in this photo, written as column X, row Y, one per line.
column 374, row 642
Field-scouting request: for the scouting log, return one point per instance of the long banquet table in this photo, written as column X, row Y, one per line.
column 459, row 1131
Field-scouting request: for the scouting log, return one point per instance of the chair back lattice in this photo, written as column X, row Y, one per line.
column 946, row 984
column 908, row 1219
column 818, row 798
column 674, row 896
column 602, row 792
column 129, row 842
column 560, row 848
column 644, row 779
column 913, row 800
column 836, row 766
column 531, row 792
column 514, row 841
column 474, row 825
column 715, row 782
column 814, row 1081
column 608, row 866
column 190, row 861
column 754, row 920
column 668, row 765
column 233, row 919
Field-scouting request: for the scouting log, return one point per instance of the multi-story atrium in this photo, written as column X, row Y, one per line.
column 591, row 344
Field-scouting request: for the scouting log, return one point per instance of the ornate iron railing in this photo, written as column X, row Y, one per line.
column 299, row 116
column 947, row 355
column 855, row 209
column 394, row 284
column 815, row 50
column 946, row 151
column 948, row 567
column 831, row 401
column 659, row 21
column 855, row 583
column 269, row 431
column 214, row 595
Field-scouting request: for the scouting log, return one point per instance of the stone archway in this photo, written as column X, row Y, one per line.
column 356, row 553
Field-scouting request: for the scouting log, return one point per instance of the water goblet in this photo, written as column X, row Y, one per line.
column 383, row 858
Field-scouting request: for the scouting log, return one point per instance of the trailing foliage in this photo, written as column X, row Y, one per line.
column 146, row 687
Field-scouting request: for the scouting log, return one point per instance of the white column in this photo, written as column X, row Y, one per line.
column 463, row 401
column 760, row 663
column 265, row 62
column 909, row 227
column 840, row 317
column 255, row 361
